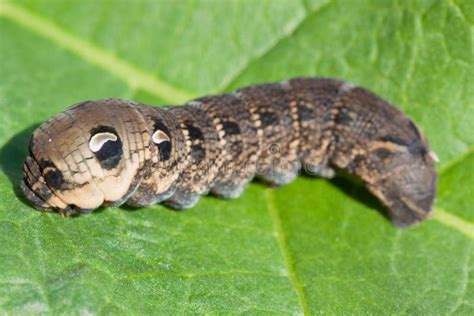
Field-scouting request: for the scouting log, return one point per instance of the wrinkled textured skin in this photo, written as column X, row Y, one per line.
column 114, row 151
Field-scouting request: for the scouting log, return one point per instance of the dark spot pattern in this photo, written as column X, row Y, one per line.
column 268, row 119
column 231, row 128
column 197, row 152
column 165, row 150
column 111, row 152
column 305, row 113
column 343, row 118
column 52, row 175
column 160, row 126
column 164, row 147
column 194, row 132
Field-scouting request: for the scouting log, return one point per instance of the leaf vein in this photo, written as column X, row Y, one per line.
column 291, row 29
column 454, row 162
column 283, row 245
column 464, row 282
column 395, row 252
column 455, row 222
column 106, row 60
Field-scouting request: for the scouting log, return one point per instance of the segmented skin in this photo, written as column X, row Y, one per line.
column 114, row 151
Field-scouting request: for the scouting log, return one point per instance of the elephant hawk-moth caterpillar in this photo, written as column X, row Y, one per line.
column 114, row 151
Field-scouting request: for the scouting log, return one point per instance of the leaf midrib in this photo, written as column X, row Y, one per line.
column 133, row 76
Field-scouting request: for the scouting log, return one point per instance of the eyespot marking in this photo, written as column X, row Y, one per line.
column 160, row 126
column 159, row 137
column 107, row 146
column 99, row 139
column 52, row 175
column 163, row 142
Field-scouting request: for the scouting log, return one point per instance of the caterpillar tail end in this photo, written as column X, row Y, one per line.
column 408, row 202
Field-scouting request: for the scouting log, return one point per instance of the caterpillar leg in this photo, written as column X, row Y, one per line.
column 278, row 179
column 144, row 198
column 277, row 172
column 228, row 191
column 183, row 200
column 319, row 170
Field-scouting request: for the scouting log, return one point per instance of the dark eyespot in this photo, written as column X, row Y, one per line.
column 160, row 126
column 106, row 146
column 51, row 174
column 163, row 142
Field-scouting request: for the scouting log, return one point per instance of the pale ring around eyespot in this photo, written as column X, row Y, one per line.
column 159, row 136
column 99, row 139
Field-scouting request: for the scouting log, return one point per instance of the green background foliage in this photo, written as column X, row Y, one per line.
column 314, row 246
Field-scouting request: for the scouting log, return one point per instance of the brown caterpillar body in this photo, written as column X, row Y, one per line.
column 115, row 151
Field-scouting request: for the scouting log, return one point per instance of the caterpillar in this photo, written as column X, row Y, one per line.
column 112, row 151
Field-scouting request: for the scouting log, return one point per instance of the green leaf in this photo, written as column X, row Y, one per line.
column 314, row 246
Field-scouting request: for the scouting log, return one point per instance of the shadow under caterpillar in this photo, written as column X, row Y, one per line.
column 115, row 151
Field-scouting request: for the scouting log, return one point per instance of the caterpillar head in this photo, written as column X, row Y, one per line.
column 90, row 154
